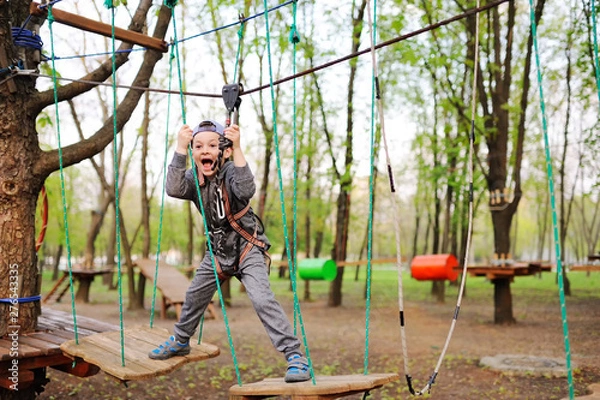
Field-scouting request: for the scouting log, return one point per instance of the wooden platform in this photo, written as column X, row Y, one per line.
column 585, row 267
column 327, row 387
column 104, row 351
column 172, row 285
column 508, row 271
column 41, row 349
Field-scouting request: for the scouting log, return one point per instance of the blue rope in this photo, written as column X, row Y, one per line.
column 26, row 38
column 29, row 299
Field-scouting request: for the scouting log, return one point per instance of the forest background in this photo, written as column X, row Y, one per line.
column 426, row 86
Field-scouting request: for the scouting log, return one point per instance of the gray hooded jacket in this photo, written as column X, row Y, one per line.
column 226, row 243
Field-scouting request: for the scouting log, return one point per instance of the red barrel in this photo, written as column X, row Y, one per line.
column 434, row 267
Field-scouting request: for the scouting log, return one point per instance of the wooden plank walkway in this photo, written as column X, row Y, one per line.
column 104, row 350
column 41, row 349
column 327, row 387
column 171, row 283
column 507, row 271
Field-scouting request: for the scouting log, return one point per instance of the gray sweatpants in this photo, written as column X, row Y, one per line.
column 253, row 275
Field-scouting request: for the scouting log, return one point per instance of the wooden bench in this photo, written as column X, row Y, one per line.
column 172, row 285
column 85, row 277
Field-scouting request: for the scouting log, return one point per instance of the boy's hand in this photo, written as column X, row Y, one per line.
column 233, row 133
column 184, row 137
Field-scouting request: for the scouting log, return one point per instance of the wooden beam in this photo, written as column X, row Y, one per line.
column 90, row 25
column 589, row 268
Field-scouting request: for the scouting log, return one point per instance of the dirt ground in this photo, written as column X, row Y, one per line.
column 336, row 338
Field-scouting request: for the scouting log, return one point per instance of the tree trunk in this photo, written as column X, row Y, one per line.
column 343, row 204
column 503, row 314
column 95, row 226
column 339, row 250
column 144, row 189
column 56, row 263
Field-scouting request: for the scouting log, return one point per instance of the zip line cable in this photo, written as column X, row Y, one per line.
column 291, row 77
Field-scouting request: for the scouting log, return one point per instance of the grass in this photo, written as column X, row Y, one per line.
column 541, row 288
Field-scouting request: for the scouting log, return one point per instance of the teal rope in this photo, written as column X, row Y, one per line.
column 282, row 197
column 596, row 62
column 116, row 173
column 371, row 190
column 206, row 232
column 240, row 34
column 557, row 249
column 62, row 176
column 162, row 200
column 295, row 39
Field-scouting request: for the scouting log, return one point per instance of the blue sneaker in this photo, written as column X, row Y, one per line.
column 297, row 370
column 170, row 348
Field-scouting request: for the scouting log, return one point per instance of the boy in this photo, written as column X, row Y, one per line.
column 236, row 235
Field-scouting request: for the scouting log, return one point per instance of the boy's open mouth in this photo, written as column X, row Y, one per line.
column 207, row 163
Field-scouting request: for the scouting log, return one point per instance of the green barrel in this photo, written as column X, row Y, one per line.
column 317, row 269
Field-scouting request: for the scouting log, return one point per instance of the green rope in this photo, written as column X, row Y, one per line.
column 116, row 174
column 371, row 190
column 559, row 267
column 162, row 200
column 281, row 195
column 240, row 34
column 295, row 39
column 206, row 232
column 596, row 62
column 62, row 176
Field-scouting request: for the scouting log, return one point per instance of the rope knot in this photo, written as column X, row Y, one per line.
column 294, row 35
column 171, row 3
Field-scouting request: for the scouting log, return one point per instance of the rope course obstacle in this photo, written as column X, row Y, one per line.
column 132, row 363
column 121, row 353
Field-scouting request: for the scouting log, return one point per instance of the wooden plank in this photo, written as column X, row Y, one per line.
column 66, row 318
column 24, row 351
column 170, row 280
column 90, row 25
column 327, row 387
column 50, row 338
column 104, row 350
column 588, row 268
column 80, row 369
column 44, row 347
column 24, row 379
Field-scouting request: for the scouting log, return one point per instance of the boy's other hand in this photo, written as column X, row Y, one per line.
column 233, row 133
column 184, row 137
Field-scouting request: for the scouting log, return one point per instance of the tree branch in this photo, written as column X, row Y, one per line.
column 87, row 148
